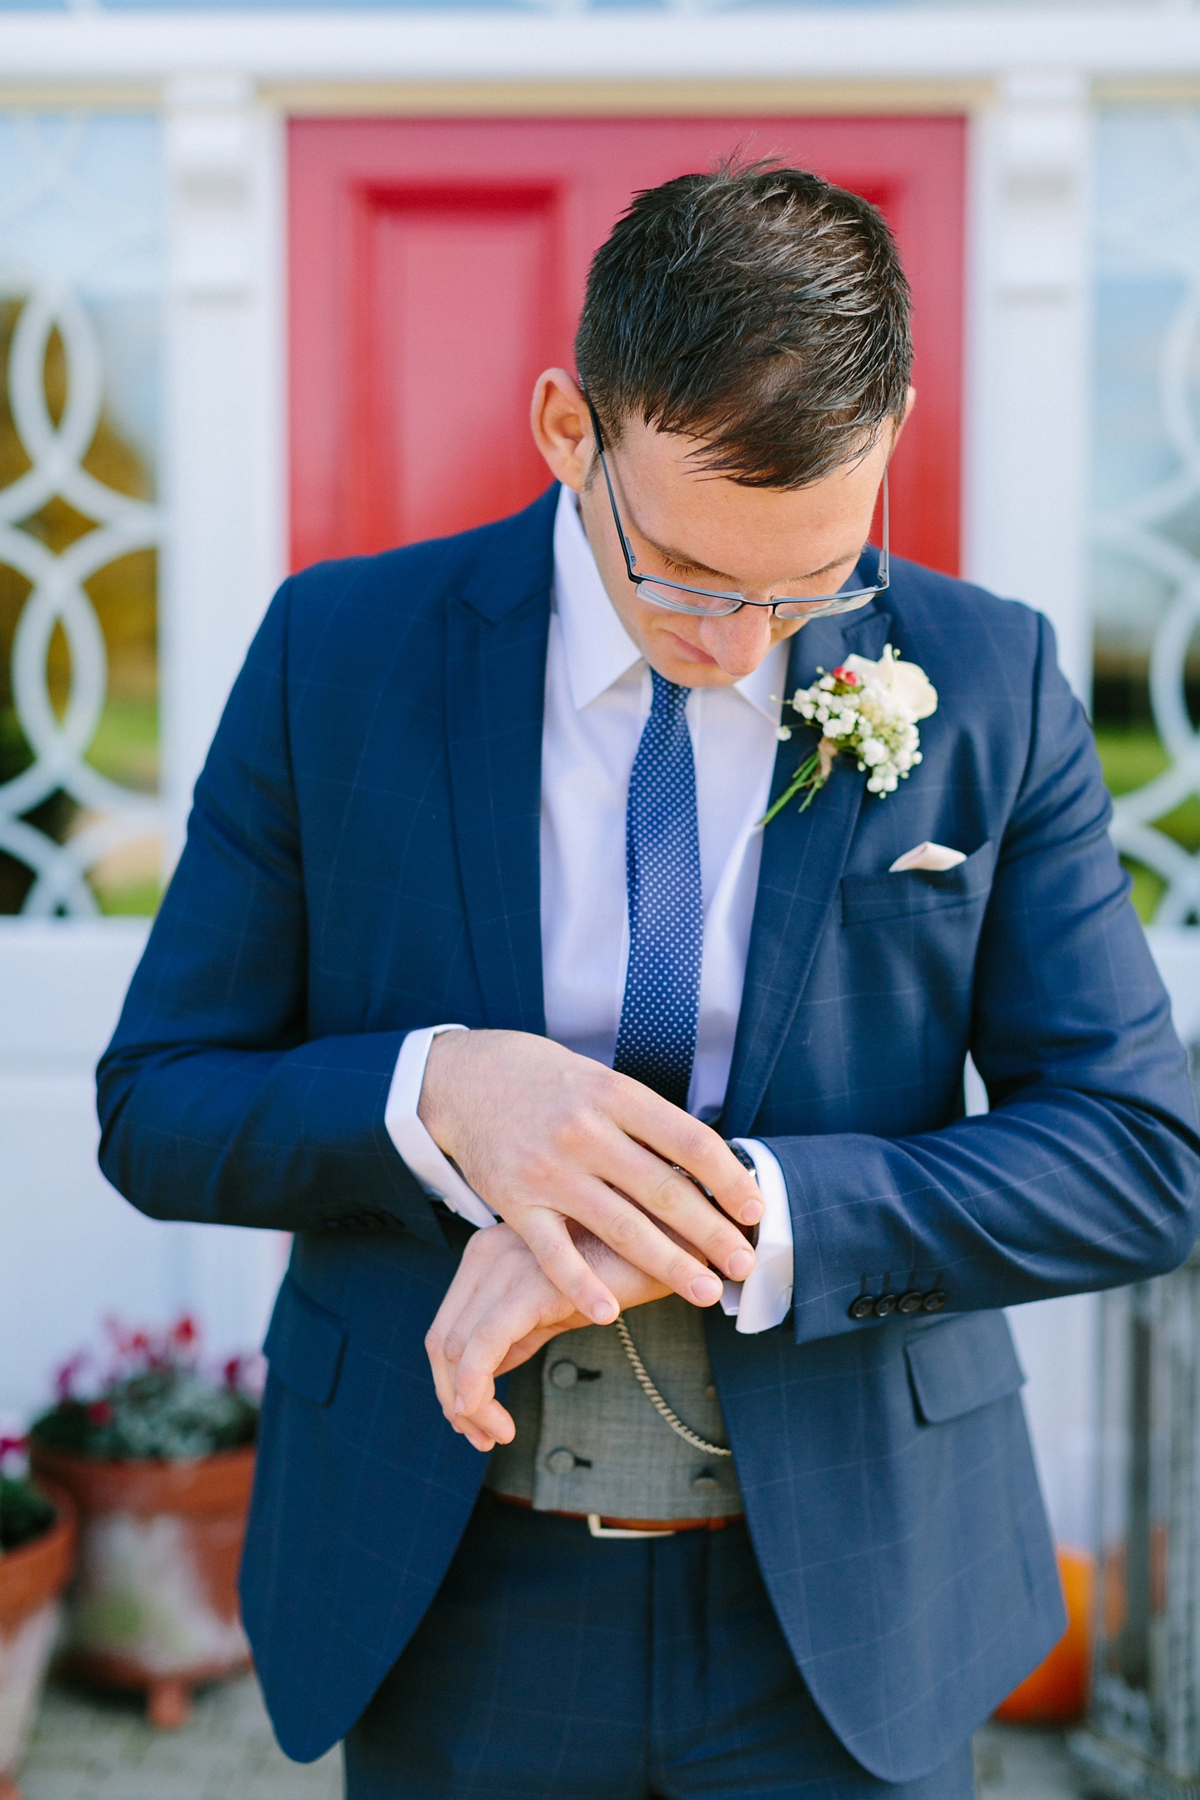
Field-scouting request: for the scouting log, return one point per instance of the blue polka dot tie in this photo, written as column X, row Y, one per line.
column 656, row 1040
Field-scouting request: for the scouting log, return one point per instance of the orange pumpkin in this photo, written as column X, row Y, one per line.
column 1057, row 1690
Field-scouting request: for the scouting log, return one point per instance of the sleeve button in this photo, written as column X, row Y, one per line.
column 910, row 1302
column 862, row 1308
column 933, row 1303
column 885, row 1306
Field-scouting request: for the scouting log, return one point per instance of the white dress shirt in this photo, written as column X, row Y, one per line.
column 598, row 694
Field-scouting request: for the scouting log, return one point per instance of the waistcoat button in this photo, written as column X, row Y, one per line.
column 564, row 1375
column 560, row 1461
column 705, row 1479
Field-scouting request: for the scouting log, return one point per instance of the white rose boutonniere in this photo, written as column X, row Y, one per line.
column 868, row 710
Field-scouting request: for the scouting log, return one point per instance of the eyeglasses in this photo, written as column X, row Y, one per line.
column 707, row 603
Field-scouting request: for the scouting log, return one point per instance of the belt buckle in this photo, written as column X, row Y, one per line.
column 616, row 1531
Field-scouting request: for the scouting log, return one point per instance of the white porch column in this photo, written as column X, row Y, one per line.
column 224, row 462
column 1029, row 350
column 224, row 451
column 1028, row 475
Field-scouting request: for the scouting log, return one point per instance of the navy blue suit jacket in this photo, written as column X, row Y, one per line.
column 362, row 860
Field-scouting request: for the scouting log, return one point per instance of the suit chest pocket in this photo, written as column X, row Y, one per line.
column 869, row 899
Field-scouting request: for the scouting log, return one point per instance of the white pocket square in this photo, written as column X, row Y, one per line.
column 927, row 856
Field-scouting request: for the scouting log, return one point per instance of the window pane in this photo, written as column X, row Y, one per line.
column 1146, row 572
column 81, row 293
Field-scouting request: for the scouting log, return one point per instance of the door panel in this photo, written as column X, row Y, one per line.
column 457, row 287
column 438, row 265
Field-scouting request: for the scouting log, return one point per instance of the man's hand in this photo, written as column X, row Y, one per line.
column 545, row 1136
column 498, row 1312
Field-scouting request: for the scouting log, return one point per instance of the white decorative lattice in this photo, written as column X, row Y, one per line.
column 60, row 237
column 1149, row 239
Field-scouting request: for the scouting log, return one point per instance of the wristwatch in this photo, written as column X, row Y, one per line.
column 747, row 1162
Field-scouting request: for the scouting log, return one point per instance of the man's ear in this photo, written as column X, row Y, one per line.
column 562, row 427
column 910, row 401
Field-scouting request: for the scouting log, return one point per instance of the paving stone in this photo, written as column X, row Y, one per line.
column 98, row 1747
column 1020, row 1762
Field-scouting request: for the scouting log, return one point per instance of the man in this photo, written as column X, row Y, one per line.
column 790, row 1543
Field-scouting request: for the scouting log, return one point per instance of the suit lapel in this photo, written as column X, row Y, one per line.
column 495, row 697
column 802, row 861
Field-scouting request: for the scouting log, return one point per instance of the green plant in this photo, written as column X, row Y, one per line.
column 154, row 1402
column 24, row 1513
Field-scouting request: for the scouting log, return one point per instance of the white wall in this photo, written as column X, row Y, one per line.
column 71, row 1249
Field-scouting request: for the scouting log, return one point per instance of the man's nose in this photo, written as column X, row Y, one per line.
column 740, row 640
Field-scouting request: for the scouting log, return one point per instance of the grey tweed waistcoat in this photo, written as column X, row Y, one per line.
column 590, row 1441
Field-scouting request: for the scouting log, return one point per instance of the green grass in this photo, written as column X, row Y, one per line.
column 133, row 900
column 1148, row 889
column 1130, row 758
column 125, row 747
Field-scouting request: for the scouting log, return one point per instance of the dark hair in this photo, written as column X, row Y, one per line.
column 758, row 308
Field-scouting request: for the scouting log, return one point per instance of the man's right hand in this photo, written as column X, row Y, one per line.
column 544, row 1135
column 498, row 1312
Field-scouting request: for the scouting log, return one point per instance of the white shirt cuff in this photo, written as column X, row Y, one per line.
column 435, row 1172
column 761, row 1301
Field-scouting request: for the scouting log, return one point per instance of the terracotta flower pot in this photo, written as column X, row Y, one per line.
column 31, row 1580
column 154, row 1602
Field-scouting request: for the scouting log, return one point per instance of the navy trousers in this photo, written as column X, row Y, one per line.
column 557, row 1666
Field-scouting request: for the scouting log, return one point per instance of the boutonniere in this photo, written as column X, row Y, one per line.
column 864, row 709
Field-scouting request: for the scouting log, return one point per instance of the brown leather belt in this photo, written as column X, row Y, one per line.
column 626, row 1528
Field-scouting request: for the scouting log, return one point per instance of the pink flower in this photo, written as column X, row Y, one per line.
column 846, row 676
column 64, row 1380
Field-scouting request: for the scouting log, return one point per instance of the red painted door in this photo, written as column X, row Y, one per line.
column 438, row 265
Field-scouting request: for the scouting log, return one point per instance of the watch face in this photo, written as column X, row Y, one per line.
column 745, row 1158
